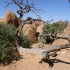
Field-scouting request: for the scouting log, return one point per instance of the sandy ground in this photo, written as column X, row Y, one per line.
column 31, row 62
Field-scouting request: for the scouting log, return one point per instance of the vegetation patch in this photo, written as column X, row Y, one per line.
column 7, row 43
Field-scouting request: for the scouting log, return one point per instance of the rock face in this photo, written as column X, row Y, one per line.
column 67, row 30
column 10, row 17
column 30, row 31
column 40, row 26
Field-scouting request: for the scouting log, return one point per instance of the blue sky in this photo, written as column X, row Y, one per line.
column 57, row 9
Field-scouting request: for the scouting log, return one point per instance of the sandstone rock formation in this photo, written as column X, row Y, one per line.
column 10, row 17
column 30, row 31
column 40, row 26
column 67, row 30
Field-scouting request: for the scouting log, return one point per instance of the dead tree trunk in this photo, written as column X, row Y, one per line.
column 46, row 53
column 56, row 36
column 63, row 36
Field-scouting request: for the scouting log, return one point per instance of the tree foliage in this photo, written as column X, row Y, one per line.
column 52, row 28
column 24, row 41
column 7, row 42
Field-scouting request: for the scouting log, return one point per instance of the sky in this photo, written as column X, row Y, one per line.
column 56, row 9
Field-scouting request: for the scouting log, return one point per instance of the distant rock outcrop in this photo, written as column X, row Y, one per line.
column 67, row 30
column 30, row 31
column 10, row 17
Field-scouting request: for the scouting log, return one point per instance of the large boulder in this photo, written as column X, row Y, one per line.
column 10, row 17
column 40, row 25
column 39, row 28
column 30, row 31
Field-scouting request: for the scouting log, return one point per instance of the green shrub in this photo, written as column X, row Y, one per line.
column 53, row 28
column 7, row 42
column 24, row 41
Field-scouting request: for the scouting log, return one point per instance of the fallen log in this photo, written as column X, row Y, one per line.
column 65, row 36
column 46, row 53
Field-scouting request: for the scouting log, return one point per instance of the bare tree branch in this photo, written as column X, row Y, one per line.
column 36, row 13
column 27, row 2
column 38, row 10
column 45, row 53
column 8, row 4
column 24, row 8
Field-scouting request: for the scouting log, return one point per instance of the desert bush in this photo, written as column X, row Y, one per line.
column 24, row 41
column 53, row 28
column 7, row 42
